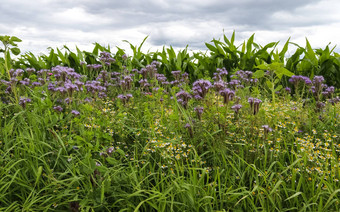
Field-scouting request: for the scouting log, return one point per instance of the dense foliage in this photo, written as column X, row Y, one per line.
column 239, row 130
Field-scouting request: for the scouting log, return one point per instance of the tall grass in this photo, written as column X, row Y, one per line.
column 82, row 143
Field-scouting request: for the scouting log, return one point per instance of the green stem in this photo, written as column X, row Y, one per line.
column 273, row 92
column 13, row 87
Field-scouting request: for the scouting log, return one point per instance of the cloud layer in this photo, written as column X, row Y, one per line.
column 53, row 23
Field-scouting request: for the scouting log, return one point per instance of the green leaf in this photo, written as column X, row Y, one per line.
column 62, row 57
column 226, row 40
column 112, row 161
column 15, row 39
column 232, row 38
column 250, row 43
column 96, row 49
column 140, row 46
column 211, row 47
column 269, row 84
column 244, row 47
column 284, row 50
column 263, row 66
column 38, row 174
column 258, row 74
column 311, row 54
column 278, row 88
column 15, row 51
column 285, row 72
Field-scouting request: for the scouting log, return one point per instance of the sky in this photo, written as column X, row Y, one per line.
column 54, row 23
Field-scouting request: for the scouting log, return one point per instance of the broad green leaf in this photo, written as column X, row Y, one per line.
column 15, row 51
column 96, row 49
column 258, row 74
column 171, row 53
column 211, row 47
column 15, row 39
column 263, row 66
column 250, row 43
column 218, row 47
column 284, row 50
column 140, row 46
column 62, row 57
column 232, row 38
column 278, row 88
column 311, row 54
column 286, row 72
column 269, row 84
column 179, row 61
column 226, row 40
column 244, row 47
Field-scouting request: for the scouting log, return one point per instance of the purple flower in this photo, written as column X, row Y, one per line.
column 68, row 100
column 201, row 87
column 267, row 129
column 228, row 95
column 297, row 79
column 183, row 97
column 199, row 111
column 254, row 104
column 30, row 70
column 222, row 71
column 75, row 112
column 236, row 108
column 234, row 83
column 58, row 108
column 124, row 98
column 23, row 101
column 188, row 126
column 110, row 150
column 106, row 58
column 320, row 105
column 36, row 84
column 219, row 85
column 87, row 99
column 26, row 81
column 176, row 74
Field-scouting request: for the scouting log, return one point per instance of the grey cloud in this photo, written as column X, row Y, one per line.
column 157, row 18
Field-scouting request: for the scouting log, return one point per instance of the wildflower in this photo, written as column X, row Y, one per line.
column 267, row 129
column 288, row 90
column 124, row 98
column 228, row 95
column 176, row 74
column 236, row 108
column 199, row 111
column 219, row 85
column 106, row 58
column 234, row 83
column 75, row 112
column 188, row 126
column 254, row 104
column 183, row 98
column 58, row 108
column 23, row 101
column 201, row 87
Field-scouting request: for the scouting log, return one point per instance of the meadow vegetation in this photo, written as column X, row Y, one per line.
column 237, row 128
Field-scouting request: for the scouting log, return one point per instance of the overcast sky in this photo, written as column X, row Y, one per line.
column 53, row 23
